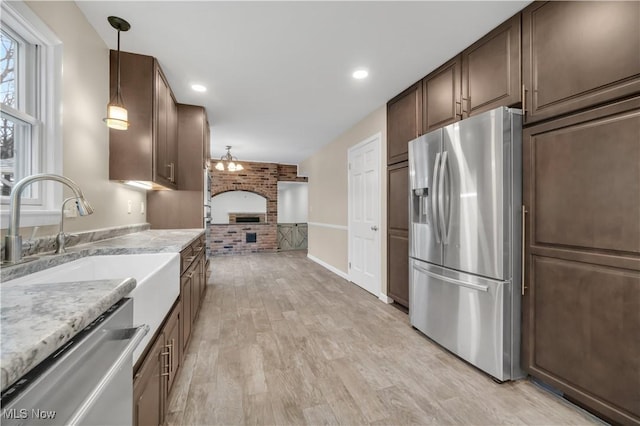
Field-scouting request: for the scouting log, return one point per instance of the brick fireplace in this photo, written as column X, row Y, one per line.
column 249, row 237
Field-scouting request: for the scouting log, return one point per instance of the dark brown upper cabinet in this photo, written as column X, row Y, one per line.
column 148, row 150
column 183, row 208
column 491, row 70
column 442, row 96
column 579, row 54
column 404, row 122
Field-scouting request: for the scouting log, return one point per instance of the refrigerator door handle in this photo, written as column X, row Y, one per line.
column 453, row 280
column 434, row 201
column 443, row 227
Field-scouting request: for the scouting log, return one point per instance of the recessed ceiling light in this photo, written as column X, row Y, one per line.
column 360, row 74
column 198, row 88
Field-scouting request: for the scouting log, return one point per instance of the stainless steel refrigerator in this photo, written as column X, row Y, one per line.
column 465, row 239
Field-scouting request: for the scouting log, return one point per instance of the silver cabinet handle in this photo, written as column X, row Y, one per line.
column 93, row 396
column 524, row 229
column 374, row 228
column 171, row 167
column 434, row 201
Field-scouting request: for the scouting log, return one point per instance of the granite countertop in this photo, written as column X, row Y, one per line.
column 150, row 241
column 37, row 319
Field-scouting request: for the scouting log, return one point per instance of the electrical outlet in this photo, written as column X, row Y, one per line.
column 129, row 205
column 141, row 207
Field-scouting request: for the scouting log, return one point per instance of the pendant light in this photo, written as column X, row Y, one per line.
column 230, row 161
column 117, row 117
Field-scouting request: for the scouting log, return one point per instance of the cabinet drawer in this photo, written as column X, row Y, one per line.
column 198, row 245
column 186, row 257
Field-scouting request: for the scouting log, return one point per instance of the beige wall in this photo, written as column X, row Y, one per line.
column 327, row 172
column 85, row 94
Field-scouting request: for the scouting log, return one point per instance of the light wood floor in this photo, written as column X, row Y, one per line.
column 281, row 340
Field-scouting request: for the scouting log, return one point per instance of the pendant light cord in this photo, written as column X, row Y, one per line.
column 118, row 97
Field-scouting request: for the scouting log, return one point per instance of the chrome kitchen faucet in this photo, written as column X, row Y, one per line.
column 13, row 240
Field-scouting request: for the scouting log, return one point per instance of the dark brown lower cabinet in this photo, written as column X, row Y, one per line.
column 398, row 233
column 186, row 288
column 156, row 372
column 581, row 309
column 173, row 345
column 149, row 387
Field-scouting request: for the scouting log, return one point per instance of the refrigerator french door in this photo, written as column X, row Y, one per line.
column 465, row 208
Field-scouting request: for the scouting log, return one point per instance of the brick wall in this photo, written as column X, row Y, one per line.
column 231, row 239
column 289, row 173
column 259, row 178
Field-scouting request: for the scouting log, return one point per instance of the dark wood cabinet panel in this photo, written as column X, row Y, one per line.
column 146, row 149
column 586, row 320
column 128, row 160
column 173, row 345
column 442, row 96
column 398, row 233
column 491, row 70
column 579, row 54
column 404, row 122
column 149, row 387
column 184, row 208
column 398, row 267
column 584, row 184
column 398, row 197
column 166, row 132
column 581, row 309
column 186, row 288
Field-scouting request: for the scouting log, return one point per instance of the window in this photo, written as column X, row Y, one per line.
column 30, row 80
column 19, row 126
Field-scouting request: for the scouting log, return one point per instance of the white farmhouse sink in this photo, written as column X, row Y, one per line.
column 157, row 276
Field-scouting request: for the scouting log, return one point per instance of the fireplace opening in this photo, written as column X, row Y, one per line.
column 247, row 219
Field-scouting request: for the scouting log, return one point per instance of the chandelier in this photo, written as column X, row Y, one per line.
column 229, row 162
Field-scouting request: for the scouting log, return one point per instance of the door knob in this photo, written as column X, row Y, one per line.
column 374, row 228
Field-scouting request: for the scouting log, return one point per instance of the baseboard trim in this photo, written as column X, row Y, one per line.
column 331, row 268
column 386, row 299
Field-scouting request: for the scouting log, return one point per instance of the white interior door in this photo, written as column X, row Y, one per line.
column 364, row 214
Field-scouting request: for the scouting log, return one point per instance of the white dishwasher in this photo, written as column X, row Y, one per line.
column 88, row 381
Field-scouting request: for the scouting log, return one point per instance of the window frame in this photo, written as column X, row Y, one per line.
column 46, row 107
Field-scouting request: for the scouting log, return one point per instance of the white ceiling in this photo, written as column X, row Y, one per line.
column 279, row 73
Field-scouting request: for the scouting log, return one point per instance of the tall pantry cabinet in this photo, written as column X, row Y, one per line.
column 581, row 165
column 484, row 76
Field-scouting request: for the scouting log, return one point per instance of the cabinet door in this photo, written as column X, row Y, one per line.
column 185, row 298
column 404, row 122
column 441, row 92
column 172, row 137
column 195, row 289
column 581, row 309
column 173, row 345
column 149, row 387
column 131, row 151
column 165, row 142
column 491, row 70
column 160, row 151
column 398, row 233
column 579, row 54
